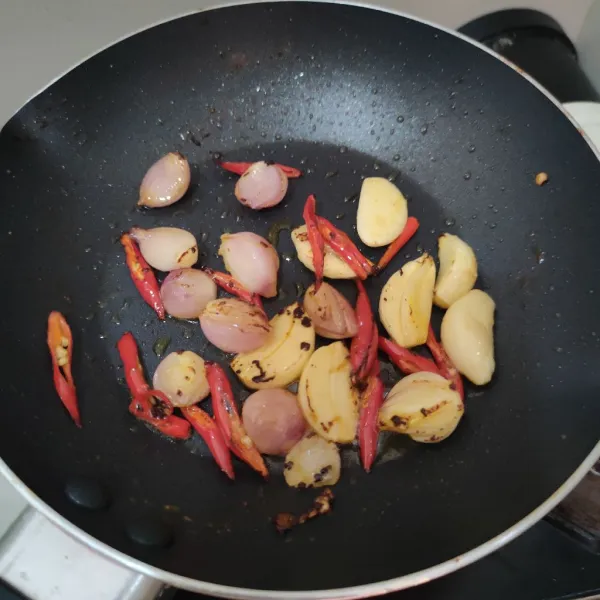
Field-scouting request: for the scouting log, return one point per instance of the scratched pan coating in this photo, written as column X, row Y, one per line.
column 343, row 93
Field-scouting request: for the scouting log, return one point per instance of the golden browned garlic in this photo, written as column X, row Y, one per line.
column 423, row 406
column 326, row 395
column 458, row 270
column 468, row 336
column 406, row 301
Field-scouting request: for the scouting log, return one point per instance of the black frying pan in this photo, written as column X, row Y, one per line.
column 329, row 88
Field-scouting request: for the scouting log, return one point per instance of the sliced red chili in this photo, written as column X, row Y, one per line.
column 60, row 344
column 239, row 168
column 142, row 275
column 445, row 365
column 315, row 239
column 202, row 422
column 412, row 224
column 229, row 421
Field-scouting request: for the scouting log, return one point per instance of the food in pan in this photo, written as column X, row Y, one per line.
column 340, row 397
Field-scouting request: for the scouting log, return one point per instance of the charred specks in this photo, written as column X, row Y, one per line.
column 281, row 311
column 399, row 421
column 179, row 393
column 269, row 162
column 262, row 376
column 238, row 371
column 325, row 426
column 305, row 346
column 288, row 465
column 302, row 486
column 384, row 299
column 306, row 322
column 317, row 477
column 326, row 469
column 298, row 312
column 159, row 409
column 322, row 505
column 192, row 250
column 310, row 435
column 285, row 521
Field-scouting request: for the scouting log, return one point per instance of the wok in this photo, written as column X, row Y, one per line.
column 342, row 92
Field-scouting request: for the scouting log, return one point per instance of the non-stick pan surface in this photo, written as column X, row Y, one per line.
column 342, row 92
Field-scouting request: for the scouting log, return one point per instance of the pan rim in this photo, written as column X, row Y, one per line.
column 361, row 591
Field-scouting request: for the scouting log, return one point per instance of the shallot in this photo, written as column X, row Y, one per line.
column 331, row 314
column 261, row 186
column 181, row 376
column 252, row 261
column 186, row 292
column 166, row 181
column 166, row 248
column 312, row 462
column 273, row 420
column 234, row 326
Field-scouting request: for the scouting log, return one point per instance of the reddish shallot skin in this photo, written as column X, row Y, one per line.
column 166, row 181
column 234, row 326
column 273, row 420
column 186, row 292
column 261, row 186
column 252, row 261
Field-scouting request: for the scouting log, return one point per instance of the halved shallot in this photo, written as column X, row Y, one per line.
column 312, row 462
column 273, row 420
column 186, row 292
column 166, row 181
column 166, row 248
column 234, row 326
column 331, row 314
column 181, row 376
column 261, row 186
column 252, row 261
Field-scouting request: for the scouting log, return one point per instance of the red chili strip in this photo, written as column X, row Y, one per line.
column 361, row 353
column 445, row 365
column 142, row 275
column 211, row 434
column 234, row 287
column 229, row 421
column 317, row 243
column 412, row 224
column 239, row 168
column 60, row 344
column 155, row 408
column 345, row 248
column 368, row 428
column 151, row 406
column 408, row 362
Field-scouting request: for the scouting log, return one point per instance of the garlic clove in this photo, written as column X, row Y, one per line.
column 382, row 212
column 423, row 406
column 326, row 395
column 458, row 270
column 467, row 335
column 406, row 301
column 333, row 268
